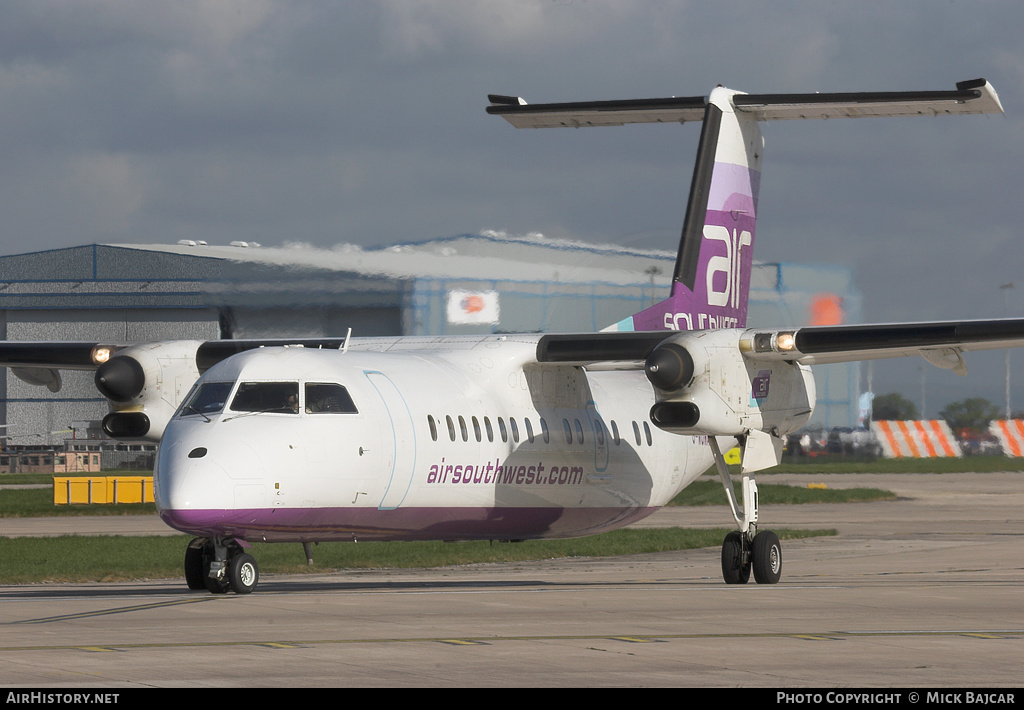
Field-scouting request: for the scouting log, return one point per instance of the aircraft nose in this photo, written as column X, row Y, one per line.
column 208, row 477
column 191, row 486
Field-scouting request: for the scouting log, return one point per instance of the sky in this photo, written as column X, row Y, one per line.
column 322, row 123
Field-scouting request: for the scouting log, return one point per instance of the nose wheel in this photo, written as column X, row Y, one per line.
column 219, row 565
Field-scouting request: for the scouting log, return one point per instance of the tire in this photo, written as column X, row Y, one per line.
column 733, row 569
column 194, row 566
column 767, row 558
column 243, row 573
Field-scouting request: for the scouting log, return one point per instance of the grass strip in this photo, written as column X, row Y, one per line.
column 966, row 464
column 38, row 503
column 77, row 558
column 710, row 492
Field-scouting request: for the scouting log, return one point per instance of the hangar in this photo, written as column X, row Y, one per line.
column 465, row 284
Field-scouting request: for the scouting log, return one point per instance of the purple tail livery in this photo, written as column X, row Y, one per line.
column 712, row 277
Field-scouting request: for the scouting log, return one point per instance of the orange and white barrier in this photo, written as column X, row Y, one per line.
column 1010, row 433
column 916, row 439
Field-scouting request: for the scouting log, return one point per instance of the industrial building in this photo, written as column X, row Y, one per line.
column 459, row 285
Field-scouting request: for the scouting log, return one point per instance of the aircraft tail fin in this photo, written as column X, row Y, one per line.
column 711, row 281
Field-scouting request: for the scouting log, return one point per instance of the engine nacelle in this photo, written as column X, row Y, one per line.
column 144, row 385
column 705, row 385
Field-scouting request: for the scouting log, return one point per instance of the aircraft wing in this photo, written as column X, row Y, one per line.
column 65, row 355
column 940, row 343
column 40, row 362
column 56, row 355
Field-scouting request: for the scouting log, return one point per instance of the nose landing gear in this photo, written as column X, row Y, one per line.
column 219, row 564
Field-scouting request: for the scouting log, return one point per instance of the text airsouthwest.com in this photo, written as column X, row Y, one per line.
column 965, row 697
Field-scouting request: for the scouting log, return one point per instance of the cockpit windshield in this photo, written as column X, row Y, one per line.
column 280, row 397
column 208, row 398
column 328, row 398
column 269, row 397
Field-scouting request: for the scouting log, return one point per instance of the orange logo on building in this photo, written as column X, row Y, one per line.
column 472, row 304
column 827, row 309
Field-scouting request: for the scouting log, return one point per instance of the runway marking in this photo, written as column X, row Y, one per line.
column 100, row 649
column 814, row 637
column 106, row 612
column 637, row 639
column 490, row 640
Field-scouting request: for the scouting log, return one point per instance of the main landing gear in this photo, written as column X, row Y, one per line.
column 219, row 564
column 746, row 549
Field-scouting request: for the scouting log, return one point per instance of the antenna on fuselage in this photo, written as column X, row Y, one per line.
column 348, row 336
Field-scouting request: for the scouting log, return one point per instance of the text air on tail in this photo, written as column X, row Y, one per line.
column 712, row 273
column 711, row 282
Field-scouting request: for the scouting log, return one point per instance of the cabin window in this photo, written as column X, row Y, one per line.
column 451, row 427
column 433, row 427
column 208, row 398
column 615, row 433
column 544, row 431
column 636, row 433
column 326, row 398
column 579, row 431
column 490, row 430
column 529, row 430
column 503, row 430
column 568, row 431
column 476, row 429
column 515, row 429
column 647, row 433
column 277, row 397
column 462, row 426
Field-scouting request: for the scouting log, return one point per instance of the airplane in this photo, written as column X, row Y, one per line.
column 512, row 436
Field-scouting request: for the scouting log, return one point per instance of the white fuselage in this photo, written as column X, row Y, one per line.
column 458, row 438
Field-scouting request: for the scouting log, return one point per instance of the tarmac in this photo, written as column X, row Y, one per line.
column 919, row 592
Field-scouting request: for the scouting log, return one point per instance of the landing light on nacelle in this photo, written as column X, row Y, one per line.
column 102, row 353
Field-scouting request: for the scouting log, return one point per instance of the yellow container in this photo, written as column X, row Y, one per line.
column 98, row 490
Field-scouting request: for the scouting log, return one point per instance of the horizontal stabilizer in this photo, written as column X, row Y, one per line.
column 970, row 97
column 598, row 113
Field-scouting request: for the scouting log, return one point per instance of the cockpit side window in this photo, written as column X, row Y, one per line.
column 326, row 398
column 208, row 398
column 279, row 397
